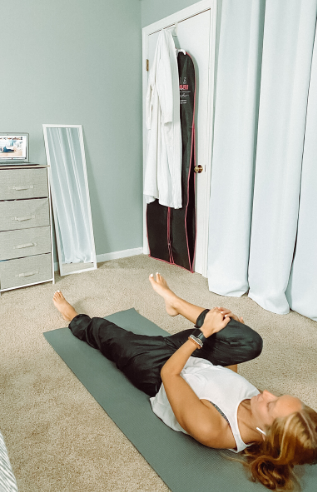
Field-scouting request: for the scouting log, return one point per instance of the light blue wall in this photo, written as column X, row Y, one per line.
column 154, row 10
column 79, row 62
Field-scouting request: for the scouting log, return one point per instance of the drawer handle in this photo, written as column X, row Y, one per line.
column 27, row 245
column 24, row 218
column 19, row 188
column 28, row 274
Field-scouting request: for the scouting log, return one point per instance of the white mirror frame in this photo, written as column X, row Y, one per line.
column 70, row 268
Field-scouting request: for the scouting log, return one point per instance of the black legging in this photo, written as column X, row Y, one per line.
column 141, row 357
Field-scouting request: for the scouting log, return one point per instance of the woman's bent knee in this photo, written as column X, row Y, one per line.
column 240, row 336
column 245, row 343
column 249, row 340
column 255, row 344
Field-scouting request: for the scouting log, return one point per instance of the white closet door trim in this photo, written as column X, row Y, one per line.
column 169, row 21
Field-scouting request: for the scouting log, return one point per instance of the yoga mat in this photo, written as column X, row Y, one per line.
column 181, row 462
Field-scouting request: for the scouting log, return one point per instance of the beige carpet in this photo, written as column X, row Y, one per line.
column 58, row 437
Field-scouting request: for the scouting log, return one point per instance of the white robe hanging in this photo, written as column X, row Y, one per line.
column 163, row 172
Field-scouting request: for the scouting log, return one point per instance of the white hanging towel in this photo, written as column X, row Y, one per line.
column 163, row 172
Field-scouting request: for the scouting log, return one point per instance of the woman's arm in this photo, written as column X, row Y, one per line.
column 192, row 415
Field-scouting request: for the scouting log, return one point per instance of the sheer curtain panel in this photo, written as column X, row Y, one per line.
column 235, row 130
column 262, row 168
column 301, row 292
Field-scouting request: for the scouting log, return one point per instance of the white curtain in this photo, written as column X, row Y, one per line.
column 69, row 195
column 263, row 155
column 302, row 288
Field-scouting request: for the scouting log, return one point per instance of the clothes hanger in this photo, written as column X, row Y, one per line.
column 175, row 36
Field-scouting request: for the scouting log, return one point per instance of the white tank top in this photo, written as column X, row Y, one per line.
column 217, row 384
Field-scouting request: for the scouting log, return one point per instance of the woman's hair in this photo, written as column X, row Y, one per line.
column 290, row 441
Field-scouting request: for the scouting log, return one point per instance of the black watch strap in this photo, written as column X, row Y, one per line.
column 199, row 334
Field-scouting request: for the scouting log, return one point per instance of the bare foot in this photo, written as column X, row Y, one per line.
column 66, row 310
column 160, row 286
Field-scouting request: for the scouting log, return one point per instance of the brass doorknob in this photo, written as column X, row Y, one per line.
column 198, row 169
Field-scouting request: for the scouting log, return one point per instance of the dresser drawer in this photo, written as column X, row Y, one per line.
column 17, row 184
column 23, row 214
column 25, row 242
column 24, row 271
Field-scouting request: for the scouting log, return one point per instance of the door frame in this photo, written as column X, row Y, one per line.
column 177, row 17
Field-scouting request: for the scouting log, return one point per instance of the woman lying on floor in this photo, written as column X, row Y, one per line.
column 202, row 394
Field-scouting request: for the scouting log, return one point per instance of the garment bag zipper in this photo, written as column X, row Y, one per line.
column 169, row 243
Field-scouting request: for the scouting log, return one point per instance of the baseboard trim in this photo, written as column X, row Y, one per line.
column 115, row 255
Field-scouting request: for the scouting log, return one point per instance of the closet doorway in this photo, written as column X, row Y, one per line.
column 194, row 30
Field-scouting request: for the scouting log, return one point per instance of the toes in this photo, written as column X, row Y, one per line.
column 58, row 295
column 157, row 278
column 162, row 279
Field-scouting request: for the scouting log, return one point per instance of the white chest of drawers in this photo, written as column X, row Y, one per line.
column 26, row 255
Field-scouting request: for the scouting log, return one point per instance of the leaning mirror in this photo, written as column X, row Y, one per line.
column 65, row 152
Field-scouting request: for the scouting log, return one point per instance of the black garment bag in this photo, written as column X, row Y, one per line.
column 172, row 232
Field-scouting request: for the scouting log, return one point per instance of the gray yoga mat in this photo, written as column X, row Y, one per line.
column 181, row 462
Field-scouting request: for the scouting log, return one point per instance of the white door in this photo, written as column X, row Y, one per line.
column 194, row 31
